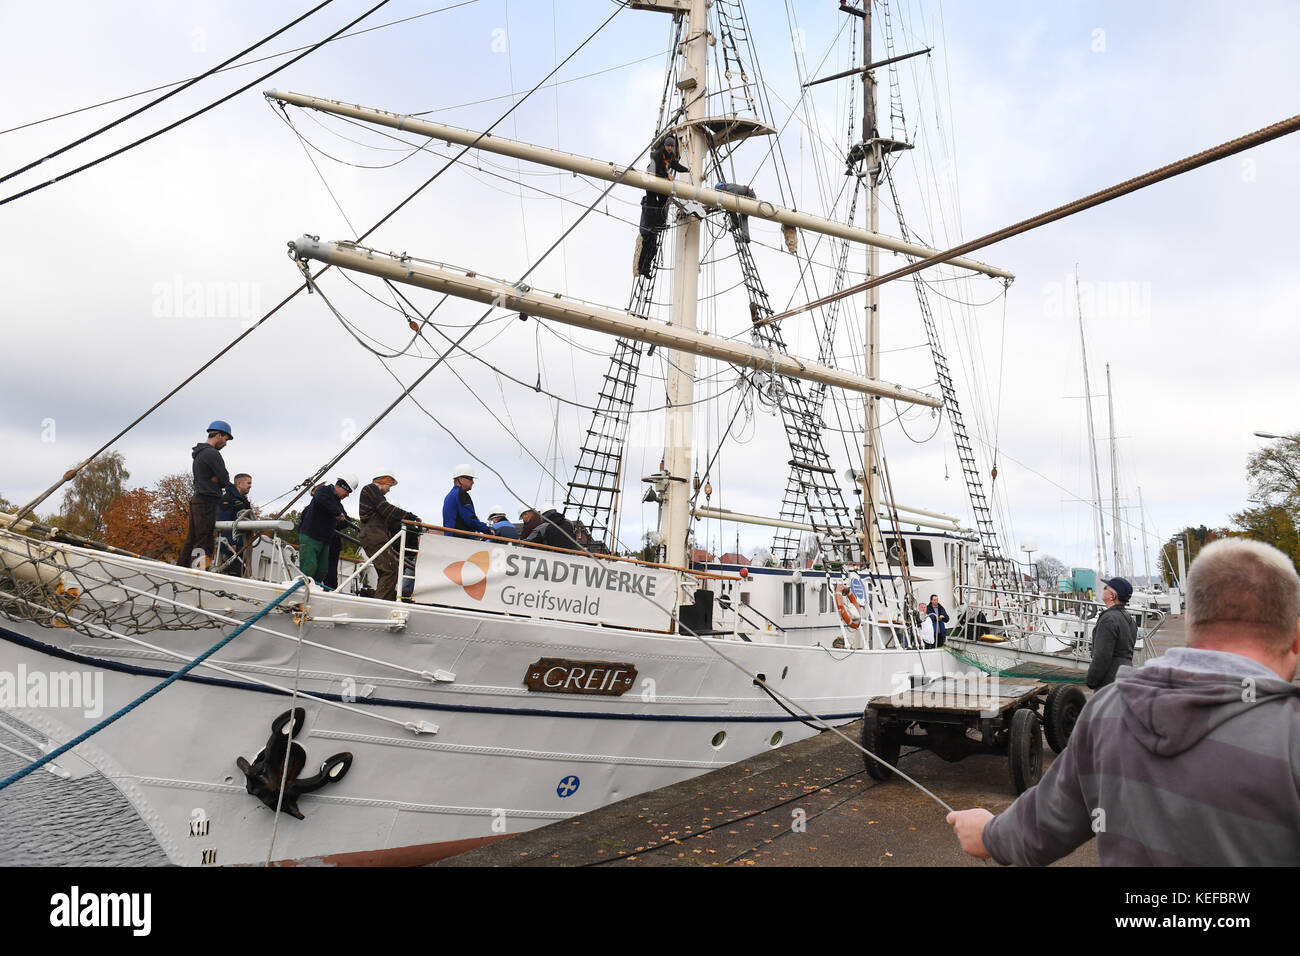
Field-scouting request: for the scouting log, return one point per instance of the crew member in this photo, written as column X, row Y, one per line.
column 458, row 506
column 501, row 526
column 210, row 477
column 936, row 611
column 654, row 206
column 234, row 502
column 380, row 521
column 320, row 520
column 553, row 529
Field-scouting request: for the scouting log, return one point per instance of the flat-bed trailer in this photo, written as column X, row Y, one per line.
column 955, row 716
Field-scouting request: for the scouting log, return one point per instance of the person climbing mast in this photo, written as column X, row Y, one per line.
column 665, row 161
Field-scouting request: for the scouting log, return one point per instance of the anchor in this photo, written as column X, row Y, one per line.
column 263, row 774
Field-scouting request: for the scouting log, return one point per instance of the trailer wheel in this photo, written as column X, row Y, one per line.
column 1064, row 702
column 1026, row 750
column 882, row 742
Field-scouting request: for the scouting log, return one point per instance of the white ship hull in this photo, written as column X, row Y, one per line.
column 503, row 759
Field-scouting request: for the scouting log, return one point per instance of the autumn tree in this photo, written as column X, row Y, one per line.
column 151, row 522
column 90, row 493
column 1274, row 473
column 1272, row 524
column 1195, row 539
column 6, row 506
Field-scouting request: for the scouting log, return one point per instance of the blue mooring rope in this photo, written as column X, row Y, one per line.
column 153, row 690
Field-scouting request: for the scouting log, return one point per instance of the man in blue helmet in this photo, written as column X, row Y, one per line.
column 210, row 479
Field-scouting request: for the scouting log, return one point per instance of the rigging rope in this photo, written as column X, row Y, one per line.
column 154, row 102
column 72, row 472
column 185, row 119
column 237, row 66
column 1176, row 168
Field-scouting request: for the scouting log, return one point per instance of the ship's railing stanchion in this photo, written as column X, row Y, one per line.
column 370, row 559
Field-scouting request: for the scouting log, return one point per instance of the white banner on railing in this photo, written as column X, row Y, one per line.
column 487, row 576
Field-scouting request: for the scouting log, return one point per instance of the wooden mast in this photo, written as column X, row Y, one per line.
column 674, row 516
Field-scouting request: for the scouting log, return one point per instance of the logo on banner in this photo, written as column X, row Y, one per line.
column 471, row 574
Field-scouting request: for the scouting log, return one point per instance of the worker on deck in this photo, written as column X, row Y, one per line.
column 502, row 527
column 320, row 520
column 380, row 521
column 458, row 506
column 548, row 526
column 210, row 476
column 654, row 206
column 234, row 502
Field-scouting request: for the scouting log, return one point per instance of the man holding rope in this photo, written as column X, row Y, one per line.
column 1192, row 759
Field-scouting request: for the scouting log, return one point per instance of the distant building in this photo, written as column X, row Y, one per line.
column 700, row 556
column 735, row 557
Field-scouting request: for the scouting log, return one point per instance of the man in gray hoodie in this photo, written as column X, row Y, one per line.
column 1190, row 760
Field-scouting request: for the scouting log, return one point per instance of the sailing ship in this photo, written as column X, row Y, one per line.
column 520, row 685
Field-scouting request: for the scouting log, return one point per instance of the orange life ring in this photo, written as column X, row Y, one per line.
column 853, row 619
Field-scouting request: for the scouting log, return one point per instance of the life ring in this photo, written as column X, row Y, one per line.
column 852, row 619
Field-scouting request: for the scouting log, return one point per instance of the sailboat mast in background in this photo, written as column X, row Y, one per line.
column 1092, row 438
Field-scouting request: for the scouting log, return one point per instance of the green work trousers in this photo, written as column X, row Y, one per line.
column 313, row 557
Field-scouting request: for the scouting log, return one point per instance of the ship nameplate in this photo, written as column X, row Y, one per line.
column 558, row 675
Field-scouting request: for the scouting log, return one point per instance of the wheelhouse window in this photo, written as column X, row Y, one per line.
column 922, row 553
column 792, row 602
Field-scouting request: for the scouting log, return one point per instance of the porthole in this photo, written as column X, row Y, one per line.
column 775, row 740
column 719, row 739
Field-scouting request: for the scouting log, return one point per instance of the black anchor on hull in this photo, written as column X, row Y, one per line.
column 263, row 774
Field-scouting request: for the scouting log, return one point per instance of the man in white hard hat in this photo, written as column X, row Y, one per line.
column 502, row 526
column 458, row 506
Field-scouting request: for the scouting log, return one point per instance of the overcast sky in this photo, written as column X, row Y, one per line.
column 120, row 281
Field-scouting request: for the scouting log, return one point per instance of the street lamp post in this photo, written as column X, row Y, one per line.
column 1029, row 546
column 1280, row 437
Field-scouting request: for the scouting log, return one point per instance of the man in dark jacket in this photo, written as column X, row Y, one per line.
column 458, row 506
column 320, row 520
column 1192, row 759
column 552, row 529
column 210, row 477
column 234, row 502
column 665, row 163
column 380, row 521
column 940, row 615
column 1113, row 636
